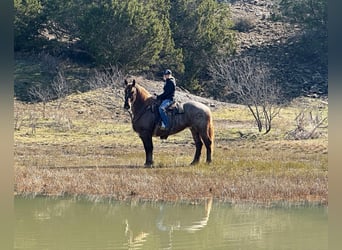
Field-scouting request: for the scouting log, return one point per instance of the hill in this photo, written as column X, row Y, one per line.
column 259, row 34
column 284, row 46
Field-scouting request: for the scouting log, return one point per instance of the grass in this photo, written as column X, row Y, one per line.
column 84, row 149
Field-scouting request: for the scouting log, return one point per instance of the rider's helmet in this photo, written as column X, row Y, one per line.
column 167, row 72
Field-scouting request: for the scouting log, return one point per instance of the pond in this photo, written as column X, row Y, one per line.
column 66, row 223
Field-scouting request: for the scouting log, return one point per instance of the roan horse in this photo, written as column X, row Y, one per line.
column 145, row 118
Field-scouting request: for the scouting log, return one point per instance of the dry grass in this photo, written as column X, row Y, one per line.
column 175, row 184
column 92, row 151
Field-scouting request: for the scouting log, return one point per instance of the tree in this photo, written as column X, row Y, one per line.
column 130, row 33
column 137, row 35
column 109, row 83
column 249, row 80
column 202, row 29
column 38, row 93
column 28, row 20
column 308, row 123
column 61, row 18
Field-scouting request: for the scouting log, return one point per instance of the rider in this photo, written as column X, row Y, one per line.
column 167, row 97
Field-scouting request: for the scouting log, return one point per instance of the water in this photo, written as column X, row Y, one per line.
column 46, row 223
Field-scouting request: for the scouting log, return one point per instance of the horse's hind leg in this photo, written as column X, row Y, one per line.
column 207, row 143
column 207, row 138
column 198, row 144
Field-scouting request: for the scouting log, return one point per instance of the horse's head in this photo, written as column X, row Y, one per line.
column 130, row 94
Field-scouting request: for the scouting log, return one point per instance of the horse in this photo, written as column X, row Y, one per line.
column 145, row 119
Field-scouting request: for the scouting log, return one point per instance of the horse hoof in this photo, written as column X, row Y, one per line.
column 148, row 165
column 193, row 163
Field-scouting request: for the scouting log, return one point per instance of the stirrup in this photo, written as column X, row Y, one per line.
column 164, row 137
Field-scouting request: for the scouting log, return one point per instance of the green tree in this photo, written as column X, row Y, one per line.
column 137, row 35
column 134, row 34
column 61, row 17
column 28, row 21
column 130, row 33
column 202, row 29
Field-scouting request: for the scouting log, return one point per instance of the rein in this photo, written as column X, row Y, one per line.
column 135, row 118
column 130, row 115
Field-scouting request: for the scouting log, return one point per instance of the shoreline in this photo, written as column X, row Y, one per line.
column 202, row 202
column 191, row 186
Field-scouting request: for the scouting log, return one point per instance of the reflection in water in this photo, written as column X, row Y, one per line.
column 134, row 242
column 196, row 225
column 46, row 223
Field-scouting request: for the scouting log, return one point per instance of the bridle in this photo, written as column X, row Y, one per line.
column 130, row 95
column 130, row 98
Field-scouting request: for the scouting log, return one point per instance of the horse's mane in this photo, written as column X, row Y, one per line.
column 143, row 92
column 144, row 95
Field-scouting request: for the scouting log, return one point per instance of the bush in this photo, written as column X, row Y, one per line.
column 28, row 21
column 312, row 14
column 243, row 24
column 202, row 28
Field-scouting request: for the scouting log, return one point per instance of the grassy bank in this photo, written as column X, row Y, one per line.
column 82, row 148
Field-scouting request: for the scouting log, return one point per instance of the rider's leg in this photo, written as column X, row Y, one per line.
column 162, row 111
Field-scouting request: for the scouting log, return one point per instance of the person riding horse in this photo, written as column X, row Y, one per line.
column 195, row 115
column 166, row 98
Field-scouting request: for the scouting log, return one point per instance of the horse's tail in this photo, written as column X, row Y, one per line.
column 211, row 132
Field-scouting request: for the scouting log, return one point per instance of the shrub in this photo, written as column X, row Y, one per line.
column 243, row 24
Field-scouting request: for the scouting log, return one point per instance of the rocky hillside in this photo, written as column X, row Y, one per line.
column 284, row 46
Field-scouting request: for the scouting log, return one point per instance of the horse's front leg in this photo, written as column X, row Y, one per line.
column 148, row 145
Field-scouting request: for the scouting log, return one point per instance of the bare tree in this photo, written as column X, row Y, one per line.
column 60, row 88
column 57, row 90
column 41, row 94
column 249, row 80
column 49, row 64
column 308, row 124
column 109, row 81
column 108, row 78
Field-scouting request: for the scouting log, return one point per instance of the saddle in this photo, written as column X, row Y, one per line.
column 173, row 109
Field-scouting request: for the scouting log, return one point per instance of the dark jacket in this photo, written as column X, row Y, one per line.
column 169, row 89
